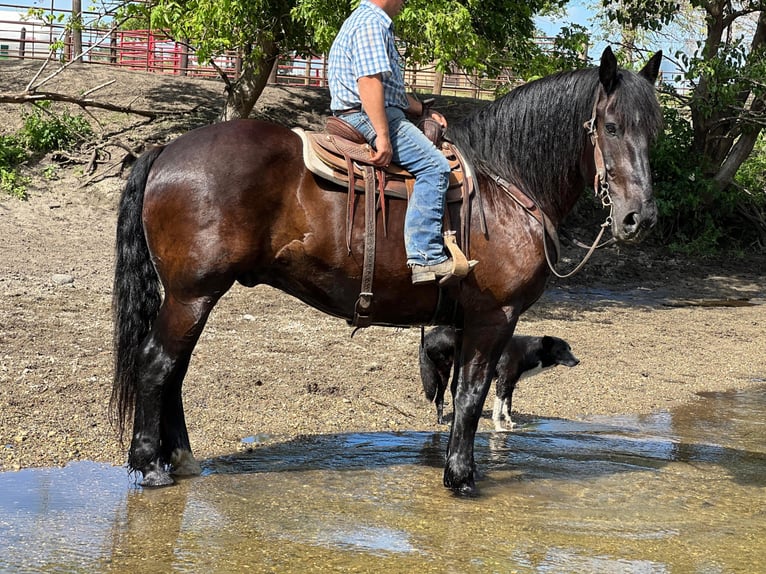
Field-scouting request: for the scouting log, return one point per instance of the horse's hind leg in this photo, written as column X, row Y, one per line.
column 174, row 437
column 160, row 438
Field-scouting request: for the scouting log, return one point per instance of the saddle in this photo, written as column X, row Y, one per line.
column 327, row 154
column 340, row 154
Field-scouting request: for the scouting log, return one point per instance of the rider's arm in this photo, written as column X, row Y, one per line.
column 371, row 94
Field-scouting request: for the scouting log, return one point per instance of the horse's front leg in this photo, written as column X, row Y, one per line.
column 480, row 350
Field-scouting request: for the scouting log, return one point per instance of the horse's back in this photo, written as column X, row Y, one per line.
column 219, row 154
column 214, row 194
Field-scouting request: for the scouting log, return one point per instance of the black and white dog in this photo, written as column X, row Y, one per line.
column 522, row 357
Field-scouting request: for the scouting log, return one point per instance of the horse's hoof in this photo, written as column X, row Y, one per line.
column 466, row 491
column 462, row 487
column 156, row 478
column 183, row 463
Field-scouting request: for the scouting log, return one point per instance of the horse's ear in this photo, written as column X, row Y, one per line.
column 607, row 71
column 652, row 68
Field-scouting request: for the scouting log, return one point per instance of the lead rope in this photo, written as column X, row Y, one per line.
column 606, row 201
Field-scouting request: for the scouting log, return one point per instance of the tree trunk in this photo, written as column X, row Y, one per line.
column 723, row 137
column 741, row 149
column 438, row 82
column 244, row 93
column 701, row 121
column 77, row 30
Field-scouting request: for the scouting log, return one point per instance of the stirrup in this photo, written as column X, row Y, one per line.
column 460, row 264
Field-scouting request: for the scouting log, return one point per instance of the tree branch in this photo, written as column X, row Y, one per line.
column 33, row 97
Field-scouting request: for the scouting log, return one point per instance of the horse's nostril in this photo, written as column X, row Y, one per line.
column 631, row 222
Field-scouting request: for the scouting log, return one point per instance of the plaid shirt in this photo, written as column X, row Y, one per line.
column 365, row 47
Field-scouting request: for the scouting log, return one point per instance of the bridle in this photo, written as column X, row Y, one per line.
column 601, row 191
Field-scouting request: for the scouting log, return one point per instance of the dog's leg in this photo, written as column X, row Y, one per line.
column 509, row 424
column 440, row 401
column 497, row 414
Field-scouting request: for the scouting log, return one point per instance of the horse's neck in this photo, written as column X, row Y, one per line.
column 558, row 208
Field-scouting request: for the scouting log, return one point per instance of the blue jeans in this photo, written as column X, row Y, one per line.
column 414, row 151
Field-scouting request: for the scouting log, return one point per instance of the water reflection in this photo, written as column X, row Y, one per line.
column 672, row 492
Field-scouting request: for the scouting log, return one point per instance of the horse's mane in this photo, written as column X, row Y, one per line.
column 534, row 136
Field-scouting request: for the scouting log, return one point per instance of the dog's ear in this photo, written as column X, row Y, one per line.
column 548, row 343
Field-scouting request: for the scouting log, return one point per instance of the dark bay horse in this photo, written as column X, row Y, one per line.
column 233, row 202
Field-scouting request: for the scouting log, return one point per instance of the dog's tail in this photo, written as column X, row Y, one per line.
column 429, row 374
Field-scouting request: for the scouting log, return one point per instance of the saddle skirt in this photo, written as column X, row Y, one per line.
column 327, row 156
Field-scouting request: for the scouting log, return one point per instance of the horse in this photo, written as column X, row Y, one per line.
column 234, row 202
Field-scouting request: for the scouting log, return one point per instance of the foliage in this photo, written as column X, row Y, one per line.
column 751, row 177
column 43, row 131
column 216, row 26
column 11, row 155
column 567, row 53
column 12, row 183
column 46, row 131
column 724, row 63
column 684, row 222
column 697, row 217
column 731, row 70
column 471, row 35
column 641, row 14
column 751, row 188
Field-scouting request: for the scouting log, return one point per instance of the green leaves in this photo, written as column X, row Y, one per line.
column 43, row 131
column 46, row 131
column 641, row 14
column 482, row 36
column 12, row 153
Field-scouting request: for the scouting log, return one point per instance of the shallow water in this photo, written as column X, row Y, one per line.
column 683, row 491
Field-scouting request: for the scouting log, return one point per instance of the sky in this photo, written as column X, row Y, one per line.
column 577, row 12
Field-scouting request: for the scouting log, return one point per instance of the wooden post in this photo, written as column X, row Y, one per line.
column 438, row 82
column 23, row 42
column 66, row 55
column 184, row 56
column 113, row 47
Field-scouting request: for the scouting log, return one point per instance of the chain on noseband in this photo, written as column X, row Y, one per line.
column 601, row 191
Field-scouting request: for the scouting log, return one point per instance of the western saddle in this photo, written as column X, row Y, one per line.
column 341, row 155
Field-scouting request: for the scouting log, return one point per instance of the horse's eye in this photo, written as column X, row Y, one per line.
column 611, row 129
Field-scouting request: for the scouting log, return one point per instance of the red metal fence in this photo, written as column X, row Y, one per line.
column 39, row 38
column 35, row 38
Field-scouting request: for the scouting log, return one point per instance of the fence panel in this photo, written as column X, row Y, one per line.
column 22, row 37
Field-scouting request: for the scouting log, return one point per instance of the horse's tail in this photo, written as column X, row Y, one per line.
column 136, row 295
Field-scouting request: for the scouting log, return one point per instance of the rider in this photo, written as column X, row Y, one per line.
column 368, row 92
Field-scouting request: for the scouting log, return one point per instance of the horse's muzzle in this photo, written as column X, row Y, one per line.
column 635, row 225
